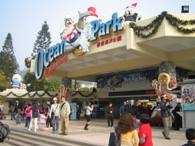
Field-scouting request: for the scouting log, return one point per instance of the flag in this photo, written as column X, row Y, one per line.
column 134, row 5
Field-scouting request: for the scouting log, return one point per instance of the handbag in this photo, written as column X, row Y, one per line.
column 52, row 115
column 114, row 139
column 53, row 112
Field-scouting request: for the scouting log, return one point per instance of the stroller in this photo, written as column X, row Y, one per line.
column 2, row 116
column 4, row 131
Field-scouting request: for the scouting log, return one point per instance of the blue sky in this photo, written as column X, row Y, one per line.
column 24, row 18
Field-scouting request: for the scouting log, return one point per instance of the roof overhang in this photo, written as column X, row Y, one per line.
column 131, row 52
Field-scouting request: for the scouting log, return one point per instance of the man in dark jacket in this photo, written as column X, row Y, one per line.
column 166, row 116
column 18, row 111
column 110, row 115
column 137, row 110
column 190, row 135
column 177, row 117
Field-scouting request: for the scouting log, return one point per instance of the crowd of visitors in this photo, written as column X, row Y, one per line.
column 39, row 116
column 132, row 129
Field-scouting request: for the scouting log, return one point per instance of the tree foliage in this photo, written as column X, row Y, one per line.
column 34, row 85
column 43, row 39
column 7, row 58
column 3, row 81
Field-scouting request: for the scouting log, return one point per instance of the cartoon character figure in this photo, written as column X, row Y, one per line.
column 16, row 81
column 87, row 22
column 166, row 80
column 164, row 85
column 70, row 33
column 77, row 34
column 131, row 13
column 85, row 27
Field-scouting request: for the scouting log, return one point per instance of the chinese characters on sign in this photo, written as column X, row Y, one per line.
column 109, row 41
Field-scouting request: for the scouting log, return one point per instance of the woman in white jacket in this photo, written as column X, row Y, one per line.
column 88, row 112
column 54, row 114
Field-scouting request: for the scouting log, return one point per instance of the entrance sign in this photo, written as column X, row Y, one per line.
column 102, row 29
column 46, row 56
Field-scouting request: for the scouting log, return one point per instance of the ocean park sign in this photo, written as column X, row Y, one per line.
column 75, row 36
column 102, row 29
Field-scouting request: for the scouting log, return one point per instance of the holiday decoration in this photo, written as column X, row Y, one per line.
column 131, row 13
column 166, row 80
column 78, row 34
column 34, row 94
column 152, row 28
column 16, row 81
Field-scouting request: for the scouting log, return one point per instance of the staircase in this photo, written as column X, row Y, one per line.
column 22, row 137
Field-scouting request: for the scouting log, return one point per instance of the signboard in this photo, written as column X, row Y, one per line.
column 76, row 36
column 188, row 92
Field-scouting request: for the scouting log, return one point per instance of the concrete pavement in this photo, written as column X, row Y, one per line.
column 97, row 135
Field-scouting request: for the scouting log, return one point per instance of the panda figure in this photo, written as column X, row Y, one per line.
column 131, row 14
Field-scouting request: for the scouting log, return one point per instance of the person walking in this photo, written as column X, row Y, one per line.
column 47, row 111
column 54, row 114
column 18, row 110
column 137, row 109
column 110, row 115
column 126, row 131
column 28, row 114
column 35, row 116
column 145, row 131
column 123, row 108
column 88, row 112
column 64, row 115
column 166, row 116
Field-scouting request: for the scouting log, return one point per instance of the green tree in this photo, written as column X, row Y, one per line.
column 3, row 81
column 34, row 85
column 52, row 85
column 8, row 61
column 43, row 39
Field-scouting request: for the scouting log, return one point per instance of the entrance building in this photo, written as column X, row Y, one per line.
column 125, row 61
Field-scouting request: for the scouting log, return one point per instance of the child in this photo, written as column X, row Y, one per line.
column 145, row 131
column 190, row 135
column 42, row 121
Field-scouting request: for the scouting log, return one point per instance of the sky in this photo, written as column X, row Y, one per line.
column 24, row 18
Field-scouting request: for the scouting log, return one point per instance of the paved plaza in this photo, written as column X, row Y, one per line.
column 97, row 135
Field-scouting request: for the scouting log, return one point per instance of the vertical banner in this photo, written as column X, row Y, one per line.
column 188, row 92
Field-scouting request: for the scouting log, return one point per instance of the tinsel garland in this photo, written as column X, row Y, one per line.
column 36, row 93
column 152, row 28
column 85, row 95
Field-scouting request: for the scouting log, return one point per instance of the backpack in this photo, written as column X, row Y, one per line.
column 4, row 131
column 114, row 139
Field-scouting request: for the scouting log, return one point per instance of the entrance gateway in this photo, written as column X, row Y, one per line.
column 123, row 57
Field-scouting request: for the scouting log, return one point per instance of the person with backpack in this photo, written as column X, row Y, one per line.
column 54, row 114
